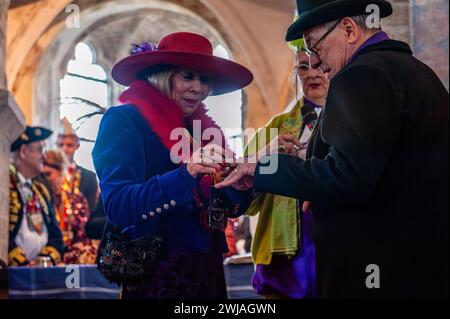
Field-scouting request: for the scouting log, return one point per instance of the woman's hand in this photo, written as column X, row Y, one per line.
column 288, row 144
column 283, row 144
column 208, row 160
column 306, row 206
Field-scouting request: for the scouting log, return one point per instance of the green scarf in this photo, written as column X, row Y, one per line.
column 277, row 231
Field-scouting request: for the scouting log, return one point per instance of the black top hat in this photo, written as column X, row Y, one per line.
column 31, row 134
column 316, row 12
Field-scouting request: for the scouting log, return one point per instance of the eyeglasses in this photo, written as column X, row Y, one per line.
column 311, row 50
column 303, row 69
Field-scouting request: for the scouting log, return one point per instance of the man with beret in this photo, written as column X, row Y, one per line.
column 376, row 171
column 33, row 229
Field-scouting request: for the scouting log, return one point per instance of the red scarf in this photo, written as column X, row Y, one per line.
column 163, row 115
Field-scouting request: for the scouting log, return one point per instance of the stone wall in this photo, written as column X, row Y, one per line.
column 398, row 24
column 250, row 43
column 3, row 9
column 430, row 35
column 11, row 126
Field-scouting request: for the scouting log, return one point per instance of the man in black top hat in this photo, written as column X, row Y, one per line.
column 33, row 229
column 376, row 172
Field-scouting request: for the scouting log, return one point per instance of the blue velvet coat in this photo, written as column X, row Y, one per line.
column 137, row 177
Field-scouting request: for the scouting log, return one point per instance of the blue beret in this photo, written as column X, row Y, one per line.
column 31, row 134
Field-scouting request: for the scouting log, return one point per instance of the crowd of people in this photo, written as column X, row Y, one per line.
column 359, row 195
column 51, row 200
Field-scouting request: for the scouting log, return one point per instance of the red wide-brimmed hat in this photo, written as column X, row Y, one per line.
column 187, row 50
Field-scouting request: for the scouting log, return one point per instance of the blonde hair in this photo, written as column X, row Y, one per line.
column 56, row 159
column 161, row 81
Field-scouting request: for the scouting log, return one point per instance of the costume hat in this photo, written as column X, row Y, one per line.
column 66, row 129
column 316, row 12
column 31, row 134
column 186, row 50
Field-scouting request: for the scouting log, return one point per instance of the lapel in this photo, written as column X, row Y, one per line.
column 17, row 203
column 317, row 146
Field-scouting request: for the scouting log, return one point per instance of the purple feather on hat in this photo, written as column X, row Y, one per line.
column 143, row 47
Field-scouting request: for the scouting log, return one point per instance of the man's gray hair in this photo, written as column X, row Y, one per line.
column 361, row 21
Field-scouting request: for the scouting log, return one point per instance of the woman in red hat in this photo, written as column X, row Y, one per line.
column 156, row 168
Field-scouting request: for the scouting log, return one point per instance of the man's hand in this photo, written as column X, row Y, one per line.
column 241, row 177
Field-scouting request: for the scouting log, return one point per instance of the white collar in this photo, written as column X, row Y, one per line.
column 23, row 180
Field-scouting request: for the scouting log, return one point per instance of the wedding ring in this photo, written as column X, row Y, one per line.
column 296, row 147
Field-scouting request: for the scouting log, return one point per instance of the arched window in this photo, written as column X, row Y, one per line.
column 84, row 97
column 226, row 110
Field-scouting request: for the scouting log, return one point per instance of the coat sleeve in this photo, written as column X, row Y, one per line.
column 361, row 123
column 120, row 161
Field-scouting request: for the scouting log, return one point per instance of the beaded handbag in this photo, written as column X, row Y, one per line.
column 123, row 260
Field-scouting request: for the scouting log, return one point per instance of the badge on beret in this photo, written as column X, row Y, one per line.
column 37, row 132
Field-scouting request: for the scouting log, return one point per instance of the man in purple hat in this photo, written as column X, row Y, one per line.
column 376, row 171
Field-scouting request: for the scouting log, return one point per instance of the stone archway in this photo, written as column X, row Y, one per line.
column 259, row 46
column 253, row 30
column 110, row 28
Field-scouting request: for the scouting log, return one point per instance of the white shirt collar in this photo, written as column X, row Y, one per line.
column 23, row 180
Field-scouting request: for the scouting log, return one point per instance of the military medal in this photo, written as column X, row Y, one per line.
column 34, row 216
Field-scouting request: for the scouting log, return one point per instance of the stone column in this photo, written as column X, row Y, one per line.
column 3, row 10
column 11, row 126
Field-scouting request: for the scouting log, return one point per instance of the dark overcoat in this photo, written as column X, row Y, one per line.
column 377, row 176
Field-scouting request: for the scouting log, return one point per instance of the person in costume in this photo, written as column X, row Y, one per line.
column 33, row 228
column 79, row 189
column 81, row 249
column 77, row 179
column 376, row 171
column 283, row 248
column 156, row 169
column 55, row 164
